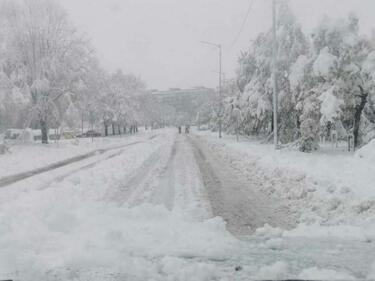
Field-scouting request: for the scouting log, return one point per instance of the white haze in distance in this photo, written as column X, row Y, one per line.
column 160, row 39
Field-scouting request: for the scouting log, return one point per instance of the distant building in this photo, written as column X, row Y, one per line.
column 186, row 102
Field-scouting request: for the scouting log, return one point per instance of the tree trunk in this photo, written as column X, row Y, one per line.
column 298, row 123
column 44, row 129
column 82, row 124
column 106, row 130
column 124, row 130
column 119, row 129
column 357, row 116
column 113, row 129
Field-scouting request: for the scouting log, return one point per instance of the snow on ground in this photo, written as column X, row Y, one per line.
column 71, row 228
column 331, row 191
column 141, row 213
column 25, row 157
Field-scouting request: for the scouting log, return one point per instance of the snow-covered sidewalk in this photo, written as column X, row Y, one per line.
column 26, row 157
column 333, row 194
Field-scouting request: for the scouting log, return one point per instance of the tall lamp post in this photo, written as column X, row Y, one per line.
column 220, row 79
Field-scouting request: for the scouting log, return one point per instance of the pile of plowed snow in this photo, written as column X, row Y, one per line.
column 367, row 152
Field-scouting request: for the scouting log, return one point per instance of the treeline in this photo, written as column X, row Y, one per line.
column 325, row 82
column 51, row 78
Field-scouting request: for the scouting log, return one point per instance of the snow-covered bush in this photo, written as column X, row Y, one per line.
column 27, row 136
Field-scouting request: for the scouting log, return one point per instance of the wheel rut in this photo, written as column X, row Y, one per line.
column 6, row 181
column 234, row 198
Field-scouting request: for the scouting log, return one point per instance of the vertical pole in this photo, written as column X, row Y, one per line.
column 274, row 78
column 220, row 91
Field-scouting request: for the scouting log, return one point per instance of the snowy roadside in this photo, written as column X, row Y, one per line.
column 26, row 157
column 70, row 230
column 332, row 194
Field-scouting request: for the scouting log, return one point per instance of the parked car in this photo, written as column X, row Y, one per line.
column 68, row 135
column 12, row 134
column 90, row 134
column 52, row 134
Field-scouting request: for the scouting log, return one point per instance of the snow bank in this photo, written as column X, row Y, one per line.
column 344, row 232
column 367, row 152
column 106, row 236
column 282, row 270
column 268, row 232
column 276, row 271
column 315, row 273
column 178, row 269
column 330, row 192
column 273, row 236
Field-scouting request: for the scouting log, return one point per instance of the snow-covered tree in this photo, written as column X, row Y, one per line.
column 47, row 53
column 341, row 53
column 325, row 81
column 255, row 70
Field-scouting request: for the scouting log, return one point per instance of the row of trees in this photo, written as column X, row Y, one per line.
column 325, row 81
column 50, row 77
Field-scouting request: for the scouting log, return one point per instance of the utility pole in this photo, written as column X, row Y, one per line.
column 220, row 92
column 274, row 76
column 220, row 82
column 223, row 75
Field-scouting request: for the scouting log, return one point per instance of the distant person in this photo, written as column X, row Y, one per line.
column 179, row 129
column 187, row 129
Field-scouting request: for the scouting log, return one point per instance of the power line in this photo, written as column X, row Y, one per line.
column 251, row 3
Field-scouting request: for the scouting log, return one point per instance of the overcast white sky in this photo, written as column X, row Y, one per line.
column 160, row 39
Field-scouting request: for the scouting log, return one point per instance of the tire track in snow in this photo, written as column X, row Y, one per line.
column 183, row 176
column 82, row 168
column 169, row 177
column 8, row 180
column 111, row 156
column 132, row 191
column 149, row 183
column 164, row 191
column 179, row 184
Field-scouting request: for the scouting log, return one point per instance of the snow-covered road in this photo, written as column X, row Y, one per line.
column 156, row 210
